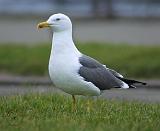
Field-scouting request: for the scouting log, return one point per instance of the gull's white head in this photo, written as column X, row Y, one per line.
column 58, row 22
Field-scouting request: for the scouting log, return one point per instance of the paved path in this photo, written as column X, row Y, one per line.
column 16, row 85
column 136, row 32
column 141, row 94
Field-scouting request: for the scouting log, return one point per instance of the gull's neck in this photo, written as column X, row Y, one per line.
column 62, row 43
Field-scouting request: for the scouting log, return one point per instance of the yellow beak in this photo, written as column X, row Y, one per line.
column 43, row 25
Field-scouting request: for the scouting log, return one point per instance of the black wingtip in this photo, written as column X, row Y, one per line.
column 144, row 83
column 131, row 82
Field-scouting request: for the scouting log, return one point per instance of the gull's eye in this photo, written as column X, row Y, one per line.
column 57, row 19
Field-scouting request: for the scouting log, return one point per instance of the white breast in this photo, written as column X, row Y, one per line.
column 63, row 70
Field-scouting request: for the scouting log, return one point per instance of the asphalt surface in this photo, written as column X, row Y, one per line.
column 16, row 85
column 139, row 94
column 116, row 31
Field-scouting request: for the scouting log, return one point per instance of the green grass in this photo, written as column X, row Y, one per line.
column 53, row 112
column 131, row 60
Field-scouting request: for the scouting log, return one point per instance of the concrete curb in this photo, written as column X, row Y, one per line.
column 45, row 80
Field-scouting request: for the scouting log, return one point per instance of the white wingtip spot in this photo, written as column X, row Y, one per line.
column 120, row 75
column 105, row 66
column 125, row 86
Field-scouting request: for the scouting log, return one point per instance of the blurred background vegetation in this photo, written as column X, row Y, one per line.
column 123, row 34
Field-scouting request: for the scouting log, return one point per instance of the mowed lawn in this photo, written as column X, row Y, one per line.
column 130, row 60
column 39, row 112
column 47, row 112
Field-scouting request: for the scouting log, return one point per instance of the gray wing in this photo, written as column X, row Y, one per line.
column 93, row 71
column 116, row 74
